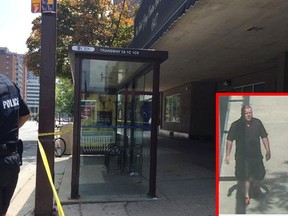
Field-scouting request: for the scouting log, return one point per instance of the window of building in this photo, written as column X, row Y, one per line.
column 172, row 108
column 256, row 87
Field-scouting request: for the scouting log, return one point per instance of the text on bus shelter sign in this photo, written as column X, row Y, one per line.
column 106, row 50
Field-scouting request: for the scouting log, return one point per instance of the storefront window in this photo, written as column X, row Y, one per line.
column 256, row 87
column 172, row 108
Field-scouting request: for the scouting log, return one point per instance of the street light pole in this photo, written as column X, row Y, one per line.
column 43, row 193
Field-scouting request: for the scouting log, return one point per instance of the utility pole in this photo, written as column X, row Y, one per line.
column 43, row 193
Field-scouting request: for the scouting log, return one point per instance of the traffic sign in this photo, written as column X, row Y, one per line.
column 48, row 6
column 36, row 6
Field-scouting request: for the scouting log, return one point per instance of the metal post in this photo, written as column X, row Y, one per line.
column 76, row 132
column 154, row 134
column 44, row 194
column 125, row 125
column 132, row 129
column 246, row 100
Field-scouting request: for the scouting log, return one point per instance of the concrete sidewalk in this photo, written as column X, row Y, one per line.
column 185, row 186
column 272, row 111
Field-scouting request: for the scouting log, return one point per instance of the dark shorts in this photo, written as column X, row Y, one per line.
column 9, row 169
column 250, row 169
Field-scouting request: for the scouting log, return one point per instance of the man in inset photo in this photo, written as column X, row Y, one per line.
column 247, row 132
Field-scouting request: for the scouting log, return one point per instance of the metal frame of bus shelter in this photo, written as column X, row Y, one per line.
column 154, row 58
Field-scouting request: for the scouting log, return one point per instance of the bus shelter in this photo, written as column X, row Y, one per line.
column 116, row 115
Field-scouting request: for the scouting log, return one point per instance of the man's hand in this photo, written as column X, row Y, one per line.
column 266, row 143
column 228, row 151
column 227, row 159
column 268, row 155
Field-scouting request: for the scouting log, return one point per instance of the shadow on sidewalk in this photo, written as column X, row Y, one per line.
column 276, row 201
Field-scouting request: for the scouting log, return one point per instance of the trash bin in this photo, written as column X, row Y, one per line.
column 66, row 131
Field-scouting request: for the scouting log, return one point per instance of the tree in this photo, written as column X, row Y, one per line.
column 86, row 22
column 64, row 96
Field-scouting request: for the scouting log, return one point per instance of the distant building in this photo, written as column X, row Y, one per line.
column 12, row 65
column 21, row 74
column 33, row 89
column 8, row 63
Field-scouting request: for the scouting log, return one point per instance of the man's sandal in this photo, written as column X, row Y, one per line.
column 247, row 201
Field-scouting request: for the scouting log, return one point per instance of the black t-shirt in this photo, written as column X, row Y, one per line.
column 247, row 137
column 11, row 107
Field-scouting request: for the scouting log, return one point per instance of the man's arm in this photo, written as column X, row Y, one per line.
column 228, row 151
column 23, row 119
column 266, row 143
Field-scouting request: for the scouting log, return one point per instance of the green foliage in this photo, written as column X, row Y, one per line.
column 85, row 22
column 64, row 96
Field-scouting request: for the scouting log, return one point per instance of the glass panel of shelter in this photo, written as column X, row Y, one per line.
column 109, row 118
column 142, row 116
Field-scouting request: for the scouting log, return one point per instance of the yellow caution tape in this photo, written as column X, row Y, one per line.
column 48, row 171
column 56, row 133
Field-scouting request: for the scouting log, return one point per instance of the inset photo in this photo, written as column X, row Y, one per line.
column 252, row 145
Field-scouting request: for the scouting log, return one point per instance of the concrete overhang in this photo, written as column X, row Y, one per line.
column 221, row 39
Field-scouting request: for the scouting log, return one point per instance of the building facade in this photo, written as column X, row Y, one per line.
column 21, row 74
column 33, row 91
column 12, row 65
column 8, row 62
column 212, row 48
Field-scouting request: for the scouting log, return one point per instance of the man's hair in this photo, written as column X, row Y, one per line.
column 243, row 109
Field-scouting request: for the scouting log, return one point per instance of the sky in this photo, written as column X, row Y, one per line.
column 15, row 24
